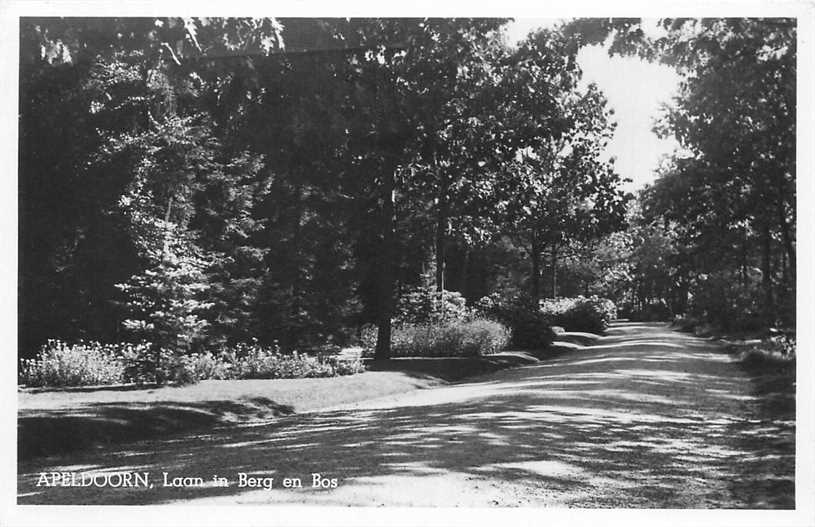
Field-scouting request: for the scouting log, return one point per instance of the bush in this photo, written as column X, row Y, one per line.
column 456, row 338
column 173, row 367
column 484, row 337
column 685, row 322
column 424, row 304
column 529, row 327
column 592, row 314
column 367, row 337
column 776, row 342
column 195, row 367
column 256, row 362
column 657, row 311
column 721, row 300
column 82, row 364
column 140, row 363
column 774, row 354
column 60, row 364
column 345, row 366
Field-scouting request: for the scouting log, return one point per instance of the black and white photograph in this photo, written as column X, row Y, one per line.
column 420, row 263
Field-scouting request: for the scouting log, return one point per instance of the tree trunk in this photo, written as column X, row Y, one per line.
column 535, row 254
column 296, row 271
column 388, row 143
column 464, row 270
column 387, row 274
column 744, row 258
column 682, row 305
column 158, row 376
column 441, row 243
column 554, row 270
column 789, row 244
column 766, row 275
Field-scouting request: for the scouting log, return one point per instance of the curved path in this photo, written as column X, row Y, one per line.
column 644, row 417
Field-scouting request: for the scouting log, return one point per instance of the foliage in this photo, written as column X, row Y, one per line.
column 656, row 311
column 727, row 198
column 719, row 298
column 92, row 363
column 195, row 367
column 212, row 180
column 253, row 361
column 783, row 343
column 568, row 194
column 684, row 322
column 144, row 364
column 81, row 364
column 455, row 338
column 592, row 314
column 166, row 298
column 530, row 328
column 771, row 356
column 426, row 305
column 220, row 224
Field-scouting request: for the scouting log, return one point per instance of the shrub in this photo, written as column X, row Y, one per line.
column 592, row 314
column 774, row 354
column 653, row 312
column 345, row 366
column 140, row 363
column 195, row 367
column 173, row 367
column 242, row 361
column 529, row 327
column 60, row 364
column 425, row 304
column 684, row 322
column 455, row 338
column 484, row 337
column 608, row 309
column 257, row 362
column 81, row 364
column 721, row 300
column 785, row 343
column 367, row 337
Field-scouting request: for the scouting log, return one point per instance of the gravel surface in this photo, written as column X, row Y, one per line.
column 643, row 417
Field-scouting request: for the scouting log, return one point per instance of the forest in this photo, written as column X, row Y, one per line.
column 205, row 185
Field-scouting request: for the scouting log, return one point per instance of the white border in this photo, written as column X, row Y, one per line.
column 12, row 514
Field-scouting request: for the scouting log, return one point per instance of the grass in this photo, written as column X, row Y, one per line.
column 453, row 369
column 772, row 372
column 60, row 420
column 646, row 417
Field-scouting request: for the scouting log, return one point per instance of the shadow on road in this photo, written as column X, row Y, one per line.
column 65, row 430
column 646, row 417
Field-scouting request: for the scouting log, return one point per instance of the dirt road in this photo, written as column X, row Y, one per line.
column 644, row 417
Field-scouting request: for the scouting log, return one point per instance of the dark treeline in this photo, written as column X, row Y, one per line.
column 196, row 182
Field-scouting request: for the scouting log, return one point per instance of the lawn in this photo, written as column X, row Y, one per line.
column 54, row 421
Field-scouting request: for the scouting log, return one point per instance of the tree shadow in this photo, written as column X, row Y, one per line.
column 452, row 368
column 58, row 431
column 638, row 426
column 89, row 389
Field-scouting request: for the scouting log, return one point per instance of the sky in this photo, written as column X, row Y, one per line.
column 635, row 89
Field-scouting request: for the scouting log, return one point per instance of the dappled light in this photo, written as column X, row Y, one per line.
column 398, row 262
column 611, row 425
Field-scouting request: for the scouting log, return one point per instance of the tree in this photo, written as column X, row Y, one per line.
column 131, row 93
column 732, row 191
column 736, row 112
column 287, row 179
column 567, row 191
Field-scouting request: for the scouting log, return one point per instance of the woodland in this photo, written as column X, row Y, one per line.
column 194, row 185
